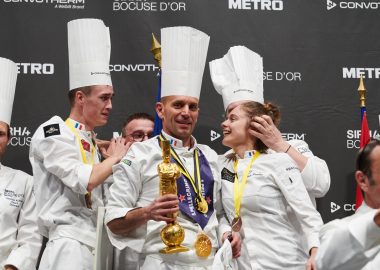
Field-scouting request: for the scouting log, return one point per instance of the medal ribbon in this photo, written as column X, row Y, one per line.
column 239, row 187
column 185, row 172
column 82, row 151
column 83, row 155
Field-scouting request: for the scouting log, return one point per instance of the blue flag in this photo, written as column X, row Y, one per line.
column 157, row 120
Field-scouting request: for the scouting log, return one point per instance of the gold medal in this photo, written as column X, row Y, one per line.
column 203, row 245
column 236, row 224
column 202, row 205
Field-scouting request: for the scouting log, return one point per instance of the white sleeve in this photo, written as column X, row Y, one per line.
column 288, row 179
column 124, row 193
column 349, row 245
column 28, row 239
column 315, row 175
column 60, row 156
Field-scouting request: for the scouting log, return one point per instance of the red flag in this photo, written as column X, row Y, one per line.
column 364, row 139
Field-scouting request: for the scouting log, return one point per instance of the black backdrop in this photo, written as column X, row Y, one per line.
column 314, row 52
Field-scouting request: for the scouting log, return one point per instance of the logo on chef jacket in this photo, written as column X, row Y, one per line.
column 269, row 5
column 347, row 207
column 368, row 5
column 214, row 135
column 149, row 5
column 134, row 68
column 35, row 68
column 20, row 136
column 356, row 72
column 353, row 137
column 60, row 4
column 290, row 76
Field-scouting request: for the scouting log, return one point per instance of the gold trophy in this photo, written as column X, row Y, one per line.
column 172, row 234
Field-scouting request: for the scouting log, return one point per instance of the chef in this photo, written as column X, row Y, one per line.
column 68, row 174
column 20, row 242
column 136, row 213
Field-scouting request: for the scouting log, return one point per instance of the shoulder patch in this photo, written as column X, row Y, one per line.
column 228, row 175
column 52, row 130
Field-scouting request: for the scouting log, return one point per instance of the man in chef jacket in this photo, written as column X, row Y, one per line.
column 136, row 213
column 353, row 243
column 68, row 174
column 20, row 242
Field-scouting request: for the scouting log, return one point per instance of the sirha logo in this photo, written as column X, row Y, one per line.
column 20, row 136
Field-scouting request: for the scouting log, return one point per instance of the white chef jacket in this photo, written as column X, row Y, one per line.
column 270, row 241
column 351, row 243
column 20, row 242
column 315, row 175
column 60, row 182
column 136, row 184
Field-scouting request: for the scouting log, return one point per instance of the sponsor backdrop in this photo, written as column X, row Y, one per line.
column 314, row 52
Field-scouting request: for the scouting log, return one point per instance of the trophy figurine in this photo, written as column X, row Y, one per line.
column 172, row 234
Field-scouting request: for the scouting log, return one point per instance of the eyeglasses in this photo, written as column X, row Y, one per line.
column 139, row 136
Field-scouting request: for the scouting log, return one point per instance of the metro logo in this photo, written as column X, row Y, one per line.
column 256, row 4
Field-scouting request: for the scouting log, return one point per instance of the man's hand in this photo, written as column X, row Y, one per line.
column 263, row 128
column 162, row 207
column 310, row 265
column 117, row 147
column 234, row 238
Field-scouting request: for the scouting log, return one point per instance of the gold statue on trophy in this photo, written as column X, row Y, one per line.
column 172, row 234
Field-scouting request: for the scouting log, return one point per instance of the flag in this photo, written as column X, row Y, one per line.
column 157, row 120
column 364, row 139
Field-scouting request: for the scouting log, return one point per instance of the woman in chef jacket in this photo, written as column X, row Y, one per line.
column 257, row 187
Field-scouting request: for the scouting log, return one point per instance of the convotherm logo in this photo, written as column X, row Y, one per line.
column 356, row 72
column 35, row 68
column 61, row 4
column 353, row 137
column 149, row 5
column 133, row 67
column 21, row 136
column 369, row 5
column 275, row 5
column 334, row 207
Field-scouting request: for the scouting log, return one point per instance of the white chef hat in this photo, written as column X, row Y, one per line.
column 238, row 76
column 89, row 53
column 183, row 51
column 8, row 78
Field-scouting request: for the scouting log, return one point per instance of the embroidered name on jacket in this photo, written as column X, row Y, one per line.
column 15, row 199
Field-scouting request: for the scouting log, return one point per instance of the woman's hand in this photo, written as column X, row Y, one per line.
column 310, row 265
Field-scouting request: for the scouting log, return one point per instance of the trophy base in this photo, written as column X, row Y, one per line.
column 175, row 249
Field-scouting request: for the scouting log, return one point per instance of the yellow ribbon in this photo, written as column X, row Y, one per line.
column 239, row 187
column 82, row 151
column 83, row 155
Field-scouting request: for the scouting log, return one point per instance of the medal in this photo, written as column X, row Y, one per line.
column 203, row 245
column 202, row 205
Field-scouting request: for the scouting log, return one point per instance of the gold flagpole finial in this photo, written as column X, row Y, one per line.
column 362, row 92
column 156, row 50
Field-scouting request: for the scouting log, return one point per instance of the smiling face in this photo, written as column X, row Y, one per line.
column 97, row 105
column 179, row 115
column 235, row 128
